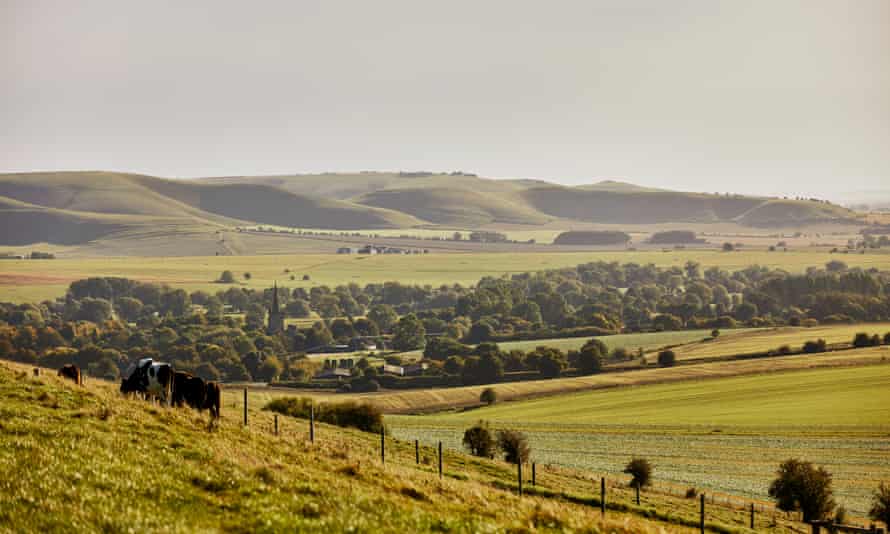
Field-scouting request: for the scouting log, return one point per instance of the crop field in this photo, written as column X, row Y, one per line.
column 727, row 435
column 35, row 280
column 756, row 340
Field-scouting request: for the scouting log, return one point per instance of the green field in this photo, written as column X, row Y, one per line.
column 33, row 280
column 757, row 340
column 725, row 434
column 83, row 458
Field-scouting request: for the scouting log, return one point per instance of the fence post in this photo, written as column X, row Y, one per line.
column 701, row 521
column 637, row 486
column 417, row 451
column 245, row 406
column 603, row 496
column 752, row 516
column 440, row 459
column 533, row 474
column 276, row 424
column 37, row 371
column 519, row 476
column 382, row 445
column 311, row 423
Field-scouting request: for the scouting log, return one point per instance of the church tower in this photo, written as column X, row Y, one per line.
column 276, row 317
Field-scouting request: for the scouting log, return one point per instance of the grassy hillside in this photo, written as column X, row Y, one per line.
column 83, row 458
column 455, row 206
column 635, row 206
column 727, row 434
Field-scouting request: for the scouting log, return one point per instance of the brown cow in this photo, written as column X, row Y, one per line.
column 188, row 389
column 69, row 370
column 211, row 399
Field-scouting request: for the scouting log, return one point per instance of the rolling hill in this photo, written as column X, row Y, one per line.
column 71, row 208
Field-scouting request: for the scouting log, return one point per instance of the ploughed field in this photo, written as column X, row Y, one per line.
column 724, row 435
column 37, row 280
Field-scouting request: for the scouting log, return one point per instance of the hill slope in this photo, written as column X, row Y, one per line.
column 82, row 458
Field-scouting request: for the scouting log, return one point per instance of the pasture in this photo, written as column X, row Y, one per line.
column 727, row 435
column 757, row 340
column 151, row 468
column 36, row 280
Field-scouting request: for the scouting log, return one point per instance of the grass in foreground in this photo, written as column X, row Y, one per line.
column 83, row 459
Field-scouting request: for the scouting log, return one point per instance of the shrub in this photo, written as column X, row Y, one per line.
column 667, row 358
column 227, row 277
column 801, row 486
column 887, row 338
column 812, row 347
column 489, row 396
column 715, row 333
column 351, row 414
column 514, row 445
column 640, row 471
column 862, row 339
column 478, row 440
column 880, row 504
column 784, row 350
column 691, row 493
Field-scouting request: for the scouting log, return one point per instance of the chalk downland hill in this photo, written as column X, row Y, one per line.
column 82, row 458
column 70, row 208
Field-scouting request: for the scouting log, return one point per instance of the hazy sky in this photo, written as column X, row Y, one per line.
column 758, row 96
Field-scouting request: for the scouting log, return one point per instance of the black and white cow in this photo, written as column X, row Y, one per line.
column 152, row 379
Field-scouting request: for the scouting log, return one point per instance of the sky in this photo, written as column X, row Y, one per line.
column 749, row 96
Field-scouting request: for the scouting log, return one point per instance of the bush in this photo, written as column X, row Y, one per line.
column 640, row 471
column 812, row 347
column 489, row 396
column 862, row 339
column 667, row 358
column 478, row 440
column 227, row 277
column 880, row 505
column 691, row 493
column 887, row 338
column 351, row 414
column 715, row 333
column 784, row 350
column 514, row 445
column 801, row 486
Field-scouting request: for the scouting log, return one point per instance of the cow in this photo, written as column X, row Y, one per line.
column 211, row 399
column 152, row 379
column 188, row 389
column 69, row 370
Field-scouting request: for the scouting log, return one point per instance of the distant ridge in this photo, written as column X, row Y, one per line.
column 77, row 207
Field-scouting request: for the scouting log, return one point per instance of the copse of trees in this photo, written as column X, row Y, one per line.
column 479, row 441
column 673, row 237
column 592, row 237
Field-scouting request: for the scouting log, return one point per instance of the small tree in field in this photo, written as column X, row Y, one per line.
column 514, row 445
column 801, row 486
column 248, row 276
column 880, row 505
column 478, row 440
column 667, row 358
column 489, row 396
column 641, row 472
column 227, row 277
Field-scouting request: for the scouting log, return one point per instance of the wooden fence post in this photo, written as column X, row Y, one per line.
column 311, row 423
column 701, row 521
column 637, row 486
column 440, row 459
column 382, row 445
column 603, row 496
column 245, row 406
column 276, row 424
column 533, row 474
column 37, row 371
column 417, row 451
column 519, row 476
column 752, row 516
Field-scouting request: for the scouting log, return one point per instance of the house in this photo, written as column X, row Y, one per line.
column 396, row 370
column 336, row 372
column 414, row 369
